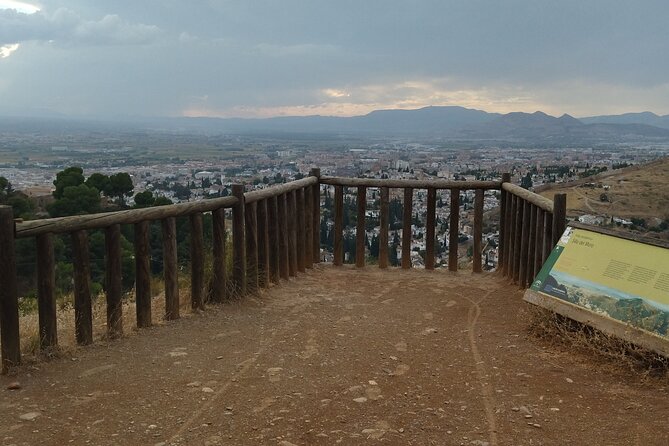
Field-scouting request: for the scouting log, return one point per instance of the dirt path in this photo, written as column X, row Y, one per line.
column 339, row 356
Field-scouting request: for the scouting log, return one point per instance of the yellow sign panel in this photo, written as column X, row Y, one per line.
column 633, row 268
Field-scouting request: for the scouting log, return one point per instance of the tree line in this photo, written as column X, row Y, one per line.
column 77, row 194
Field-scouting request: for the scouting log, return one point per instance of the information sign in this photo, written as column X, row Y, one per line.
column 615, row 284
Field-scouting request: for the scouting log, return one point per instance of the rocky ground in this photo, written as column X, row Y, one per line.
column 339, row 356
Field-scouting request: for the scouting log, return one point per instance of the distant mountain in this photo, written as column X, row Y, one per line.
column 540, row 127
column 457, row 123
column 449, row 123
column 518, row 125
column 428, row 121
column 647, row 118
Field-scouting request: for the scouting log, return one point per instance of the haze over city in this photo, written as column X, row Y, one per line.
column 79, row 58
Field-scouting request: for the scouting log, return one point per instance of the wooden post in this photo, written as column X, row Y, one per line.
column 360, row 229
column 292, row 233
column 170, row 270
column 113, row 281
column 406, row 228
column 453, row 230
column 524, row 243
column 548, row 235
column 316, row 216
column 518, row 236
column 503, row 226
column 238, row 245
column 338, row 245
column 508, row 234
column 46, row 286
column 263, row 245
column 283, row 237
column 383, row 230
column 430, row 228
column 274, row 218
column 510, row 251
column 284, row 269
column 478, row 230
column 308, row 225
column 142, row 274
column 218, row 293
column 83, row 311
column 10, row 341
column 251, row 227
column 538, row 251
column 301, row 230
column 559, row 216
column 531, row 246
column 196, row 262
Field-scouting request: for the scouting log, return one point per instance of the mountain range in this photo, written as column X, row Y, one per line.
column 442, row 122
column 647, row 118
column 456, row 123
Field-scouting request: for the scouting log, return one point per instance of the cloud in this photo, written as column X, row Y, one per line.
column 335, row 93
column 66, row 27
column 361, row 99
column 19, row 6
column 302, row 49
column 157, row 57
column 7, row 50
column 185, row 37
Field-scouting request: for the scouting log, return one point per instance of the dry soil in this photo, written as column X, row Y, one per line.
column 339, row 356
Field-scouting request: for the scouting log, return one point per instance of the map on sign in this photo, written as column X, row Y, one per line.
column 610, row 276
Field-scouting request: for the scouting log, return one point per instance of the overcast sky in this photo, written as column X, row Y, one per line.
column 333, row 57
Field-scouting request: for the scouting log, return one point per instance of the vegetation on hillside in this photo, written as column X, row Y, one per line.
column 628, row 197
column 76, row 194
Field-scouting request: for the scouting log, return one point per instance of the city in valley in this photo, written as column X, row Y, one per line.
column 186, row 166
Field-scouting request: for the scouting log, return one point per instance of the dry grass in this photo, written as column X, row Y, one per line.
column 566, row 333
column 639, row 191
column 29, row 319
column 29, row 322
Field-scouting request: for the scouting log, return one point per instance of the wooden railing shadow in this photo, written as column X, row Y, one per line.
column 275, row 235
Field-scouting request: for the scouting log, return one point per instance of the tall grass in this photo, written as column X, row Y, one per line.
column 566, row 333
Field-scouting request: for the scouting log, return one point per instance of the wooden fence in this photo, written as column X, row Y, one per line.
column 275, row 235
column 530, row 226
column 408, row 187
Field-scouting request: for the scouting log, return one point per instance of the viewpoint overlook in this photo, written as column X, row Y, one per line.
column 266, row 344
column 309, row 222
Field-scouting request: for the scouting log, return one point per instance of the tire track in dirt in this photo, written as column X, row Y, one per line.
column 244, row 367
column 486, row 390
column 197, row 415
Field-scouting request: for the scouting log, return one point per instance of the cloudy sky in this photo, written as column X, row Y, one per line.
column 256, row 58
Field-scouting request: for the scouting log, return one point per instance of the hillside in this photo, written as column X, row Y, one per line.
column 634, row 192
column 647, row 118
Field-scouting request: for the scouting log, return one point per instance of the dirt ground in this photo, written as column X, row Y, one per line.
column 339, row 356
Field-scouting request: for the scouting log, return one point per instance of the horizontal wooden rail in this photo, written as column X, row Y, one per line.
column 414, row 184
column 263, row 194
column 535, row 199
column 61, row 225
